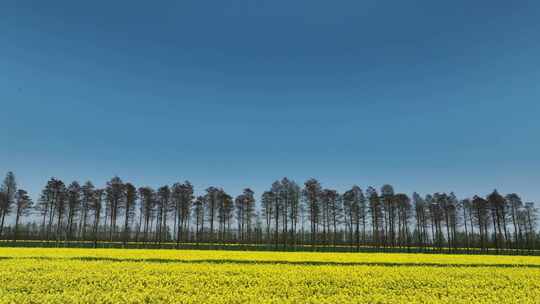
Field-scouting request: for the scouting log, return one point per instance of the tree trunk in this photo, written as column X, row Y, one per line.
column 2, row 223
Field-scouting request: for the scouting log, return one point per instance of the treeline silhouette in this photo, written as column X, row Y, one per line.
column 286, row 217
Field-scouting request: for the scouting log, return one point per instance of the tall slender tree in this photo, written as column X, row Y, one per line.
column 267, row 205
column 481, row 216
column 87, row 195
column 375, row 210
column 212, row 199
column 147, row 203
column 226, row 214
column 130, row 204
column 182, row 200
column 312, row 193
column 497, row 206
column 404, row 210
column 60, row 207
column 9, row 189
column 515, row 204
column 96, row 205
column 115, row 202
column 163, row 208
column 199, row 206
column 245, row 210
column 421, row 217
column 74, row 193
column 23, row 205
column 388, row 203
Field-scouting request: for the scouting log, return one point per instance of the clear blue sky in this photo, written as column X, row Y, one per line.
column 425, row 95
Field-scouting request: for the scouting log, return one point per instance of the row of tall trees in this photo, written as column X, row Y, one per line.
column 287, row 215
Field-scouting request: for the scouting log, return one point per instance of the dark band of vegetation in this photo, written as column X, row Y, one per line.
column 286, row 217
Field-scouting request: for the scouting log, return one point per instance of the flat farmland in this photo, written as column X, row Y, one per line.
column 46, row 275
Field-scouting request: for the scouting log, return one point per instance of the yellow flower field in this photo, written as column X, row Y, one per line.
column 31, row 275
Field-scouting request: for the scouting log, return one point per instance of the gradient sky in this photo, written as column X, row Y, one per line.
column 425, row 95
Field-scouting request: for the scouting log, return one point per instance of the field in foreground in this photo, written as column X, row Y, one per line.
column 33, row 275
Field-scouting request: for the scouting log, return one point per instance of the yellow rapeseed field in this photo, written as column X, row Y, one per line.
column 31, row 275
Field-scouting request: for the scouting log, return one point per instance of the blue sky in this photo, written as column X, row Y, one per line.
column 425, row 95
